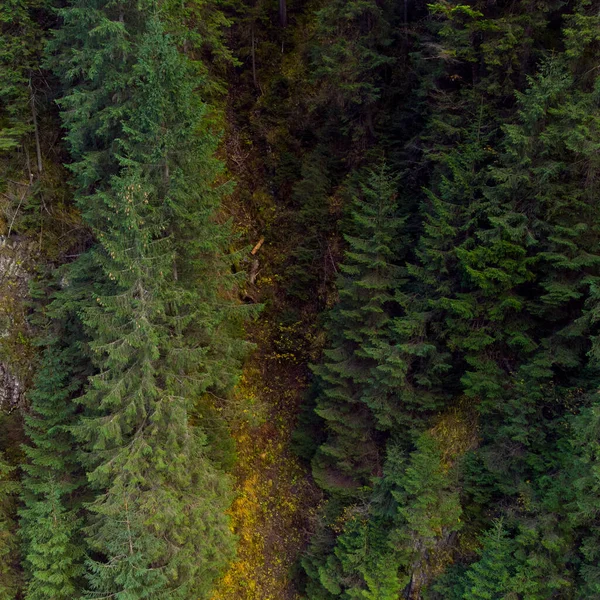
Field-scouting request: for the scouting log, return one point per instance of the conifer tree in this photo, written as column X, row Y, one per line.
column 540, row 333
column 160, row 329
column 491, row 575
column 429, row 510
column 307, row 270
column 198, row 28
column 10, row 583
column 388, row 544
column 51, row 519
column 528, row 268
column 479, row 285
column 19, row 53
column 348, row 59
column 464, row 321
column 350, row 396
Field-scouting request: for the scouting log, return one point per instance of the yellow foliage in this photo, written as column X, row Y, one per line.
column 456, row 432
column 275, row 498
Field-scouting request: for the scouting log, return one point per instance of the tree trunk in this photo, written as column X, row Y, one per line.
column 254, row 59
column 283, row 13
column 36, row 131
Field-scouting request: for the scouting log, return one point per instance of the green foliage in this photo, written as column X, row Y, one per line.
column 349, row 56
column 491, row 576
column 389, row 543
column 199, row 29
column 10, row 581
column 452, row 422
column 583, row 512
column 309, row 260
column 427, row 501
column 51, row 519
column 160, row 331
column 19, row 55
column 54, row 481
column 349, row 402
column 497, row 306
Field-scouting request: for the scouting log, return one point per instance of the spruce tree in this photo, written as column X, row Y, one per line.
column 390, row 544
column 310, row 258
column 19, row 55
column 429, row 512
column 349, row 59
column 350, row 400
column 51, row 519
column 10, row 580
column 583, row 510
column 539, row 209
column 467, row 321
column 491, row 575
column 161, row 331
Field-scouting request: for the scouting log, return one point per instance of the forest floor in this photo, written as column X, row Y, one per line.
column 276, row 500
column 275, row 497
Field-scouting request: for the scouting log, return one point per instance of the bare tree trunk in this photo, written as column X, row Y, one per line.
column 36, row 131
column 254, row 59
column 283, row 13
column 28, row 163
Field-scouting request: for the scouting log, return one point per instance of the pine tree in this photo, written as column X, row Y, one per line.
column 19, row 53
column 161, row 331
column 368, row 568
column 51, row 519
column 490, row 576
column 349, row 456
column 349, row 59
column 10, row 583
column 351, row 555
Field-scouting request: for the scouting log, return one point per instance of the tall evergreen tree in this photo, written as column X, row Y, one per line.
column 53, row 483
column 309, row 260
column 19, row 56
column 391, row 543
column 367, row 280
column 492, row 305
column 477, row 288
column 491, row 575
column 161, row 331
column 10, row 580
column 349, row 58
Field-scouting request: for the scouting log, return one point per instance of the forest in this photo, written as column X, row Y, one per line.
column 299, row 300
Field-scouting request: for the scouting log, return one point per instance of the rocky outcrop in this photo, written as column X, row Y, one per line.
column 16, row 353
column 11, row 389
